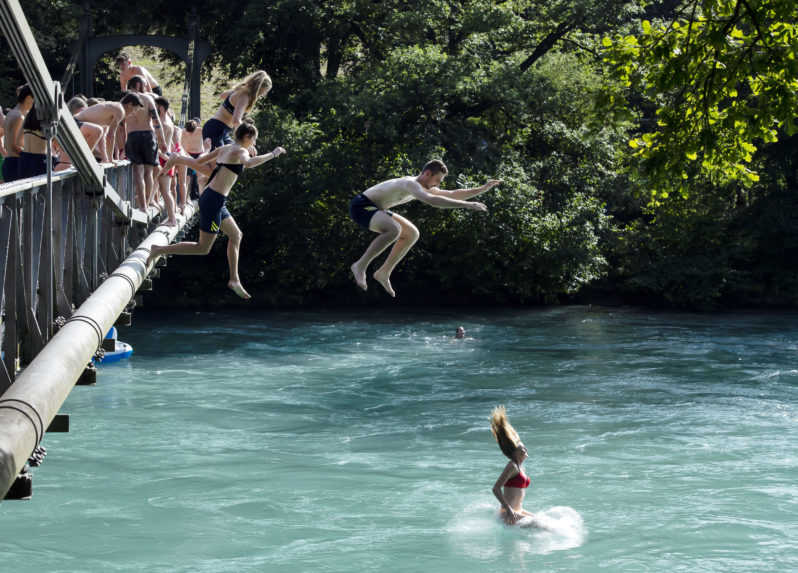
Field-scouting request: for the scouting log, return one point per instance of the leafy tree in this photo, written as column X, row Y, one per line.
column 723, row 77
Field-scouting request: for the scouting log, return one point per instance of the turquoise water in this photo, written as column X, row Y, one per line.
column 359, row 442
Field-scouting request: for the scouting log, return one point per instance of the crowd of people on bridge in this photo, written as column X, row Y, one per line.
column 139, row 127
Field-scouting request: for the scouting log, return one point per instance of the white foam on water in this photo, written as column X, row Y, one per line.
column 479, row 533
column 555, row 529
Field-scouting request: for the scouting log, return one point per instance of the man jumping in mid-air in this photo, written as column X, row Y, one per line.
column 370, row 211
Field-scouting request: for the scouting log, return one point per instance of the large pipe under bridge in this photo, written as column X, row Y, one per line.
column 73, row 254
column 56, row 314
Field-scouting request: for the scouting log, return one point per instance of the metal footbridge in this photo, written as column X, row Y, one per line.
column 73, row 254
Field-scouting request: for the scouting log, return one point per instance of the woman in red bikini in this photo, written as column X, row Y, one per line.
column 509, row 489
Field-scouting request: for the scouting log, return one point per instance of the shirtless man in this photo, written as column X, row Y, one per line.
column 166, row 176
column 370, row 211
column 93, row 133
column 12, row 133
column 191, row 142
column 140, row 146
column 127, row 70
column 107, row 115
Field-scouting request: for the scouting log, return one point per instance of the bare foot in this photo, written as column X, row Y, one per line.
column 236, row 287
column 360, row 276
column 171, row 223
column 385, row 281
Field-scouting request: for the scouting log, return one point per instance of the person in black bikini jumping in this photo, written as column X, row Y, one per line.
column 237, row 101
column 214, row 217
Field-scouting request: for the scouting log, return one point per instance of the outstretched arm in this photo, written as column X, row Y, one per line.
column 196, row 164
column 466, row 193
column 261, row 159
column 441, row 201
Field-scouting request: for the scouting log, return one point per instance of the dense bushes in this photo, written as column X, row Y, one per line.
column 366, row 91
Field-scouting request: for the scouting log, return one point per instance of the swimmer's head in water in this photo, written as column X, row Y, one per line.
column 508, row 439
column 460, row 332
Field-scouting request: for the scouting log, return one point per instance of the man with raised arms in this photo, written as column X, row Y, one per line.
column 106, row 114
column 127, row 70
column 140, row 146
column 370, row 211
column 12, row 132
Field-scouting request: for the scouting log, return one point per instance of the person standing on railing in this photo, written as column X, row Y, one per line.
column 127, row 70
column 237, row 101
column 106, row 114
column 179, row 180
column 192, row 143
column 12, row 133
column 165, row 177
column 141, row 149
column 214, row 216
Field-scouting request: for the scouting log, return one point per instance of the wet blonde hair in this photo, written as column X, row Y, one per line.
column 502, row 430
column 254, row 84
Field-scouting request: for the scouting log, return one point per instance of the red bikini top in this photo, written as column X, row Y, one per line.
column 520, row 480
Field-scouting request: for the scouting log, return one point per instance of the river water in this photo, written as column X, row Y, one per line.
column 352, row 441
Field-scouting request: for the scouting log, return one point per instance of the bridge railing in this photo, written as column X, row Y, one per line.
column 90, row 237
column 71, row 246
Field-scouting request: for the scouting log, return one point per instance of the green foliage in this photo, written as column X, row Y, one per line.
column 646, row 154
column 723, row 75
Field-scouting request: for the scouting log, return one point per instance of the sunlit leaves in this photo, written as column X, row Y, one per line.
column 723, row 79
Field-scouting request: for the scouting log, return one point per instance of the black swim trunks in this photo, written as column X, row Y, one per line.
column 10, row 169
column 362, row 209
column 212, row 210
column 141, row 148
column 32, row 164
column 218, row 132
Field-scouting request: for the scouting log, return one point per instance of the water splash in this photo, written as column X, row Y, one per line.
column 555, row 529
column 479, row 533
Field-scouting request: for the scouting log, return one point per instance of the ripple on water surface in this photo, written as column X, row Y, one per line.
column 340, row 442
